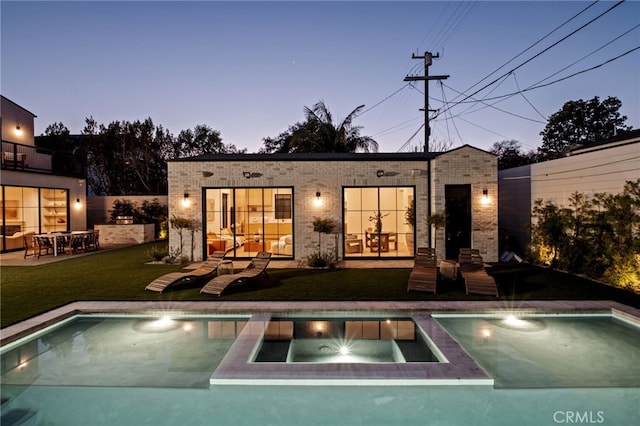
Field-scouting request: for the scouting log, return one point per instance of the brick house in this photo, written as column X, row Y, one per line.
column 251, row 202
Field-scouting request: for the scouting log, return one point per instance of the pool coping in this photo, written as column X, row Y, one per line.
column 31, row 325
column 458, row 367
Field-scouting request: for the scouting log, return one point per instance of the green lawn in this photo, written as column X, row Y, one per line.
column 122, row 275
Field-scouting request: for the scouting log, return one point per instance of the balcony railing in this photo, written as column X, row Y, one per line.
column 28, row 158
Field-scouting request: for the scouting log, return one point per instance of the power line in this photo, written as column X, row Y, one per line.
column 541, row 52
column 532, row 45
column 383, row 100
column 538, row 86
column 486, row 105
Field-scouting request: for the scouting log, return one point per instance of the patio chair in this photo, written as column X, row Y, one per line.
column 476, row 278
column 43, row 243
column 30, row 248
column 208, row 268
column 77, row 243
column 424, row 275
column 256, row 267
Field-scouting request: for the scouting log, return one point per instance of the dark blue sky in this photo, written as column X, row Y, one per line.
column 247, row 69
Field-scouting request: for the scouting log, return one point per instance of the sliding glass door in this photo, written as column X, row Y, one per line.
column 244, row 221
column 378, row 222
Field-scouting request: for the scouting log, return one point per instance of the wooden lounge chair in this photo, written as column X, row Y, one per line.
column 424, row 275
column 256, row 267
column 476, row 279
column 208, row 268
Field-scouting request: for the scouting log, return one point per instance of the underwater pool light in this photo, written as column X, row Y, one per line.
column 344, row 350
column 513, row 321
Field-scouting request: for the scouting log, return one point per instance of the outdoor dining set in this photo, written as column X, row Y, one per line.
column 62, row 243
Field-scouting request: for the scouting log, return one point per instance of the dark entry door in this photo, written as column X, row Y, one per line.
column 458, row 225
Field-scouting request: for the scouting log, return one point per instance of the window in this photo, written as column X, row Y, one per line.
column 244, row 221
column 283, row 206
column 375, row 222
column 28, row 211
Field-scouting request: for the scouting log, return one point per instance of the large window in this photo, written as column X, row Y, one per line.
column 244, row 221
column 29, row 211
column 375, row 222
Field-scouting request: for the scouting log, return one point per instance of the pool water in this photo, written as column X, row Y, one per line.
column 353, row 340
column 154, row 371
column 551, row 351
column 148, row 352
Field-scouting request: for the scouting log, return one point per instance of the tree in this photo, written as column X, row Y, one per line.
column 201, row 140
column 579, row 123
column 125, row 158
column 319, row 133
column 129, row 158
column 510, row 154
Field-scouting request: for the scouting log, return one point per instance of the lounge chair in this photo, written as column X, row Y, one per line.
column 476, row 278
column 208, row 268
column 424, row 275
column 256, row 267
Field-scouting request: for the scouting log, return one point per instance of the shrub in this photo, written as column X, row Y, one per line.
column 157, row 254
column 320, row 259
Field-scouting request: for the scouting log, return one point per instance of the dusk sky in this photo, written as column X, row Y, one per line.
column 247, row 69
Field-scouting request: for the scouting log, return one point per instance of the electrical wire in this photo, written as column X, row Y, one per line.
column 532, row 45
column 541, row 52
column 384, row 99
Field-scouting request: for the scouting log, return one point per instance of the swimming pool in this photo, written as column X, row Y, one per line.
column 215, row 338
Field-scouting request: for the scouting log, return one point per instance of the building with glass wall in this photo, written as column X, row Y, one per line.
column 35, row 197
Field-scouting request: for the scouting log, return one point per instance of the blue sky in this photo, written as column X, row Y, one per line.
column 247, row 69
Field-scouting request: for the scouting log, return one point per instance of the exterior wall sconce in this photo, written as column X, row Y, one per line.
column 78, row 204
column 485, row 200
column 186, row 202
column 205, row 174
column 18, row 130
column 317, row 202
column 250, row 175
column 381, row 173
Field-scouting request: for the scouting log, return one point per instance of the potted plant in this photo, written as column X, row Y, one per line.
column 376, row 218
column 437, row 220
column 321, row 259
column 410, row 219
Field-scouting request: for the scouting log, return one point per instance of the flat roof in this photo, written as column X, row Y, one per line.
column 378, row 156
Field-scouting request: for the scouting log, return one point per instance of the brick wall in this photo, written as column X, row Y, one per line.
column 468, row 165
column 329, row 177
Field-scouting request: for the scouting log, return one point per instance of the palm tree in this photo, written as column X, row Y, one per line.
column 321, row 134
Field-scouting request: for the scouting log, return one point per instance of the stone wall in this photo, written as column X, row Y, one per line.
column 126, row 234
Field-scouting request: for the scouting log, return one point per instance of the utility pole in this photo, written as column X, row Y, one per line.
column 427, row 63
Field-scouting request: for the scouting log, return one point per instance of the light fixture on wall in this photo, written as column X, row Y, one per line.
column 485, row 197
column 18, row 130
column 250, row 175
column 317, row 202
column 417, row 172
column 382, row 173
column 186, row 202
column 78, row 204
column 205, row 174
